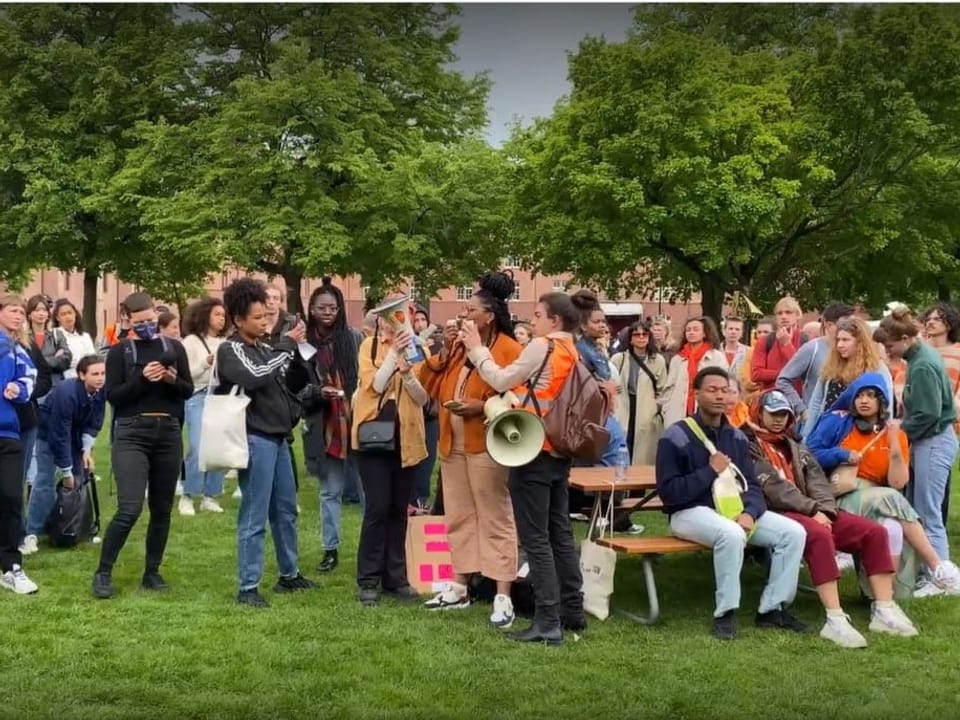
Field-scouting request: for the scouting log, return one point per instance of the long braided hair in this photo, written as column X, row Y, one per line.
column 495, row 289
column 344, row 343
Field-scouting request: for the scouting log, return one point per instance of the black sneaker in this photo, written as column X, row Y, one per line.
column 102, row 585
column 725, row 626
column 252, row 598
column 404, row 593
column 368, row 596
column 577, row 625
column 286, row 585
column 329, row 562
column 154, row 582
column 780, row 620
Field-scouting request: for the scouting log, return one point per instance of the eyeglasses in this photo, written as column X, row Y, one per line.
column 640, row 333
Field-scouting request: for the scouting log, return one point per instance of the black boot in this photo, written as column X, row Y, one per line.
column 329, row 562
column 545, row 628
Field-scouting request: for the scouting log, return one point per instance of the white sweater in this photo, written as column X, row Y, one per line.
column 80, row 346
column 197, row 355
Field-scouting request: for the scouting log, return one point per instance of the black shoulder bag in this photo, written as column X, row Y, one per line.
column 379, row 434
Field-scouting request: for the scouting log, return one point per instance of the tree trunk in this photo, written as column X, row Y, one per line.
column 943, row 290
column 711, row 299
column 91, row 281
column 293, row 277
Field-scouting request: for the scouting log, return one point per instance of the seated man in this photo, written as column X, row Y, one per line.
column 686, row 471
column 795, row 486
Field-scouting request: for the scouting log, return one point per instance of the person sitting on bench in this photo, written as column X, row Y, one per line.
column 686, row 471
column 795, row 487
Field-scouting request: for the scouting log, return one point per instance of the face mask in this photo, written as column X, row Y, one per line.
column 146, row 330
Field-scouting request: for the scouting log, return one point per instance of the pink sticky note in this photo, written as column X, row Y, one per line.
column 445, row 572
column 437, row 546
column 435, row 529
column 426, row 573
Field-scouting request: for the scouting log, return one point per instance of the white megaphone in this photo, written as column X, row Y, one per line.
column 395, row 313
column 514, row 437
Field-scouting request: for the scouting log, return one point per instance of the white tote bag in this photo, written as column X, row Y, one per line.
column 223, row 428
column 598, row 565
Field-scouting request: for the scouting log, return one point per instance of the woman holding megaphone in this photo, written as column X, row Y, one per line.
column 480, row 525
column 539, row 488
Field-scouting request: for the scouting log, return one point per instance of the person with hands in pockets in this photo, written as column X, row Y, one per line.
column 686, row 473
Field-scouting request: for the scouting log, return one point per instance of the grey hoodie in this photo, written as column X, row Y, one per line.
column 804, row 366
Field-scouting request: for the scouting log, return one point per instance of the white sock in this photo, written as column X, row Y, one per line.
column 835, row 613
column 884, row 604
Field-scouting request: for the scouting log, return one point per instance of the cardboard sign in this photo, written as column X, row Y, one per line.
column 428, row 553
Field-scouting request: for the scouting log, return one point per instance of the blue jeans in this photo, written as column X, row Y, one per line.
column 210, row 483
column 269, row 493
column 30, row 459
column 423, row 471
column 43, row 496
column 28, row 438
column 332, row 477
column 785, row 537
column 932, row 462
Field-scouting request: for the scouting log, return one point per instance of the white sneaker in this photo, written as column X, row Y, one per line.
column 179, row 490
column 29, row 545
column 453, row 597
column 208, row 504
column 891, row 620
column 186, row 507
column 502, row 616
column 926, row 588
column 18, row 581
column 838, row 630
column 947, row 578
column 845, row 561
column 237, row 494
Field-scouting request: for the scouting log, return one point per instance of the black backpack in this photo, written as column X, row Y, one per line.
column 76, row 516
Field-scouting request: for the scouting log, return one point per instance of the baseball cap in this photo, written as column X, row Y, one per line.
column 776, row 402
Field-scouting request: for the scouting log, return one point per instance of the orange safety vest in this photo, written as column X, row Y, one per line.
column 561, row 362
column 110, row 334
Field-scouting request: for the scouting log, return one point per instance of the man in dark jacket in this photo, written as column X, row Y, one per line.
column 686, row 473
column 70, row 420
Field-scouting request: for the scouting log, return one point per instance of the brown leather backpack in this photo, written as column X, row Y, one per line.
column 575, row 423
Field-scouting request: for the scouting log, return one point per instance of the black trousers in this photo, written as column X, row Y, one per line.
column 382, row 555
column 11, row 502
column 146, row 454
column 539, row 491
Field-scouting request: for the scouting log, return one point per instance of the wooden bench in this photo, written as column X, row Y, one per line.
column 649, row 548
column 640, row 504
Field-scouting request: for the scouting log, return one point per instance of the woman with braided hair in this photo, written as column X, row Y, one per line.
column 480, row 523
column 330, row 379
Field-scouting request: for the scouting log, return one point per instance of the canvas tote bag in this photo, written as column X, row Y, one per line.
column 223, row 428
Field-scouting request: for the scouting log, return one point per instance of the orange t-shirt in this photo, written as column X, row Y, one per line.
column 875, row 464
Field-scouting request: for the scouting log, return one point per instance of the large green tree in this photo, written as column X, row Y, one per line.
column 766, row 149
column 74, row 81
column 314, row 113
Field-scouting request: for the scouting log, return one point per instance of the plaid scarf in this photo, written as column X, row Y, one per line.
column 336, row 423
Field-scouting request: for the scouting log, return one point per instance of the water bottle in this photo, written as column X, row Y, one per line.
column 621, row 464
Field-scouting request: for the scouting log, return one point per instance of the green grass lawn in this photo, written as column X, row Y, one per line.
column 193, row 653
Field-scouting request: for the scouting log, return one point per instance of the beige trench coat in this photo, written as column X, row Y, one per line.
column 648, row 421
column 675, row 393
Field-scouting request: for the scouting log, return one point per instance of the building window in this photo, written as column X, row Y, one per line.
column 104, row 283
column 559, row 285
column 414, row 293
column 510, row 262
column 364, row 289
column 516, row 291
column 464, row 292
column 514, row 317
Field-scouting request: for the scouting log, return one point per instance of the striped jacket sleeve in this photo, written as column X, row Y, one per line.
column 239, row 364
column 25, row 375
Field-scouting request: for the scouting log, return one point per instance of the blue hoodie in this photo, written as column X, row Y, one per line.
column 15, row 367
column 832, row 427
column 70, row 419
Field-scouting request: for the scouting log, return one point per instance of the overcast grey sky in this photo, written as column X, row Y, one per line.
column 524, row 47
